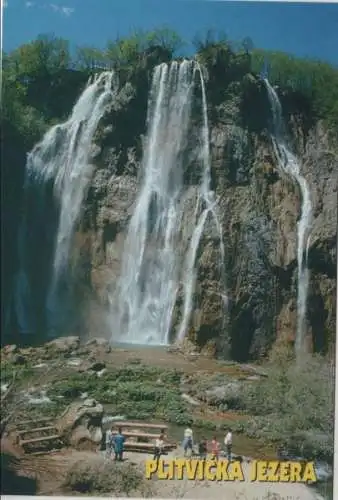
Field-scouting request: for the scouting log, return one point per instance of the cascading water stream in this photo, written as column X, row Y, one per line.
column 206, row 196
column 153, row 267
column 62, row 159
column 289, row 164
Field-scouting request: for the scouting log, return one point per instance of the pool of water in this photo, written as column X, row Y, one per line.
column 242, row 445
column 135, row 346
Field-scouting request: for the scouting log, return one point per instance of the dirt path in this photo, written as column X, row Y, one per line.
column 173, row 358
column 185, row 488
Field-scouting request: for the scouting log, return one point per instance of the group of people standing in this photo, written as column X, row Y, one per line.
column 115, row 443
column 204, row 446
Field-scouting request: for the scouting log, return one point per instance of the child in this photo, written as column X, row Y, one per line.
column 203, row 448
column 215, row 448
column 159, row 445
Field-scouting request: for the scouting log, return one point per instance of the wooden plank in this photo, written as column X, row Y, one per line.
column 147, row 446
column 139, row 425
column 40, row 440
column 37, row 429
column 139, row 435
column 42, row 419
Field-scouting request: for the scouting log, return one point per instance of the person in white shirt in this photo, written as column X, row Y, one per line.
column 228, row 443
column 159, row 445
column 109, row 447
column 188, row 440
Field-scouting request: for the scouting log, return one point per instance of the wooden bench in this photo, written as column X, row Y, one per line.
column 139, row 425
column 140, row 433
column 130, row 445
column 144, row 435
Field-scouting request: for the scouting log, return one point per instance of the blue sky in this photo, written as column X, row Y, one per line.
column 306, row 30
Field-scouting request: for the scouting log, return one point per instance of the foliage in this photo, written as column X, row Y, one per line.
column 41, row 79
column 21, row 372
column 315, row 80
column 101, row 476
column 209, row 39
column 294, row 405
column 134, row 391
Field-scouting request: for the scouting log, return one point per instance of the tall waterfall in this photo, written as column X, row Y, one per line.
column 159, row 235
column 289, row 164
column 61, row 159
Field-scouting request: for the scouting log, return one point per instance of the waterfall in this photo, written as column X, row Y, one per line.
column 153, row 266
column 207, row 196
column 289, row 164
column 61, row 160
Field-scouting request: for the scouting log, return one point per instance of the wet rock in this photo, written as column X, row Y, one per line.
column 173, row 348
column 92, row 366
column 63, row 345
column 101, row 372
column 9, row 349
column 255, row 370
column 75, row 362
column 98, row 366
column 19, row 359
column 227, row 394
column 40, row 365
column 190, row 400
column 97, row 342
column 96, row 345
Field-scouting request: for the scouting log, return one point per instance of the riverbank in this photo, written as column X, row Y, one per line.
column 267, row 406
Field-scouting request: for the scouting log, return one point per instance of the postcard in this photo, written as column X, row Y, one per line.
column 169, row 255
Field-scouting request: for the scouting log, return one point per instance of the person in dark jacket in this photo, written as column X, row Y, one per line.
column 118, row 441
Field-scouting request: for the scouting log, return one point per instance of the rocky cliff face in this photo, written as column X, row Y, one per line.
column 259, row 209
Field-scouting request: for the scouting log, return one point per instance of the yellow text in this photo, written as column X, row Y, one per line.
column 282, row 472
column 223, row 470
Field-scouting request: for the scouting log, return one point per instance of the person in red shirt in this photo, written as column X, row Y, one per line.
column 215, row 448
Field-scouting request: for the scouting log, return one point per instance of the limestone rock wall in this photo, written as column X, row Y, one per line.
column 259, row 209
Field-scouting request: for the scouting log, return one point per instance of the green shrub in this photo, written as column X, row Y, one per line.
column 294, row 405
column 99, row 475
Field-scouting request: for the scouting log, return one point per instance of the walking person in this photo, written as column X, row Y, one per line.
column 109, row 442
column 119, row 440
column 228, row 444
column 188, row 440
column 159, row 446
